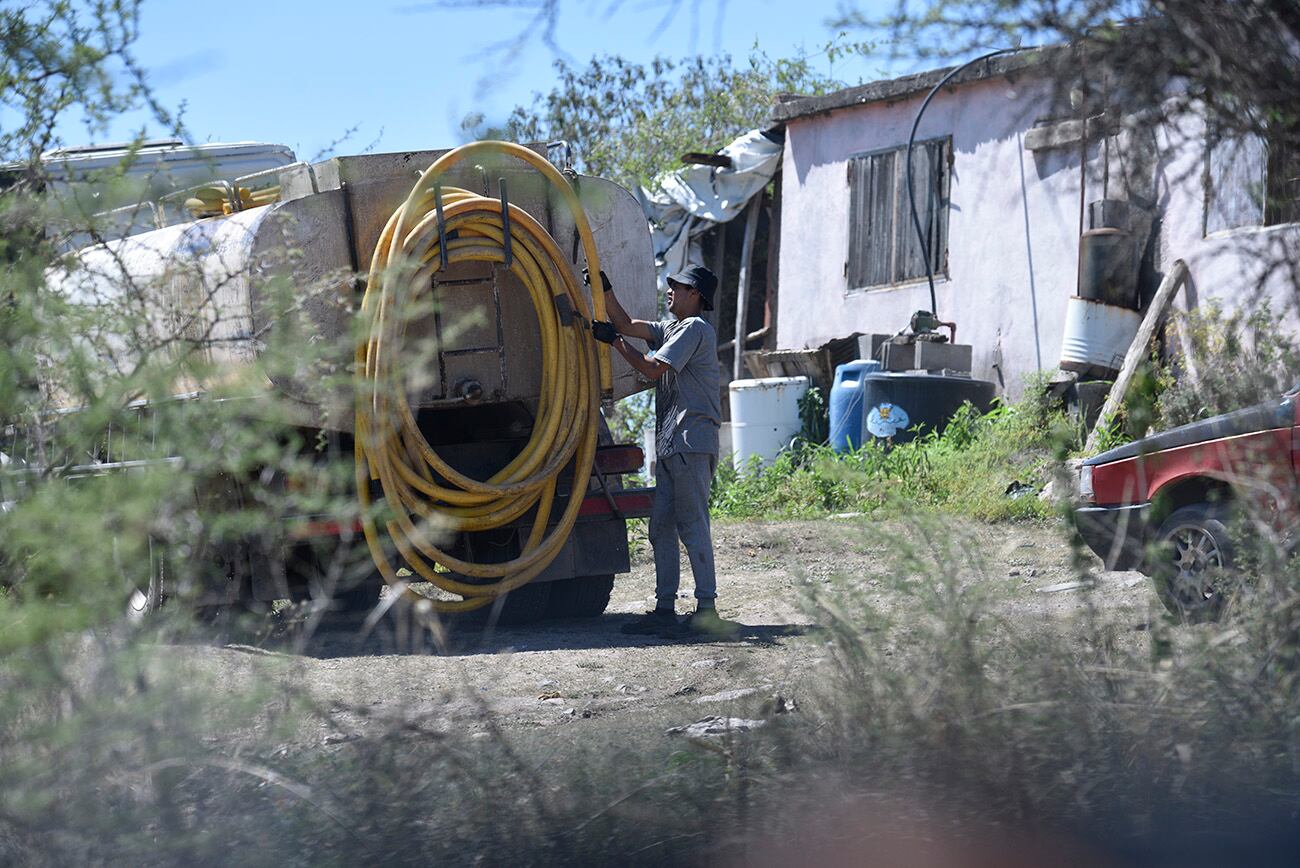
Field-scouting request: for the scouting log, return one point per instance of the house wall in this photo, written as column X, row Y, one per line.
column 1013, row 226
column 1240, row 267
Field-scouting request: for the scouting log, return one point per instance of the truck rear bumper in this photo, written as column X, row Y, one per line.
column 597, row 546
column 623, row 503
column 1117, row 534
column 627, row 503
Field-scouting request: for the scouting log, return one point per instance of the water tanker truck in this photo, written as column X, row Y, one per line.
column 459, row 379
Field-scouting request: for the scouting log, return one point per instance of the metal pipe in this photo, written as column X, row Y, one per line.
column 1083, row 175
column 719, row 267
column 911, row 140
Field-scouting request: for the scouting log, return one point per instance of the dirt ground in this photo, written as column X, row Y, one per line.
column 576, row 674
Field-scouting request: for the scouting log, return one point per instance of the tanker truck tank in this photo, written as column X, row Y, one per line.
column 488, row 380
column 220, row 276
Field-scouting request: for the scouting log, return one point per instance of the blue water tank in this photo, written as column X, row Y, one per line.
column 846, row 403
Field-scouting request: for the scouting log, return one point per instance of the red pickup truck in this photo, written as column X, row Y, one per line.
column 1174, row 504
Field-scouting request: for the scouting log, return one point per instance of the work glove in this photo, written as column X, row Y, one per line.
column 604, row 279
column 604, row 331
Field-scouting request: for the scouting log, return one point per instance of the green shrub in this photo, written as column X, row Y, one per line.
column 965, row 470
column 1230, row 360
column 1077, row 723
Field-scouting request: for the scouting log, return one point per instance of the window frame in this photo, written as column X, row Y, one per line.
column 857, row 271
column 1265, row 191
column 1282, row 194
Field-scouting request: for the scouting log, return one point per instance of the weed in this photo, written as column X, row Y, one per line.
column 1229, row 361
column 1072, row 724
column 814, row 416
column 934, row 718
column 965, row 470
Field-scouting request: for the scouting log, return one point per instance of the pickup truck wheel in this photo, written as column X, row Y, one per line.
column 150, row 596
column 1193, row 561
column 580, row 597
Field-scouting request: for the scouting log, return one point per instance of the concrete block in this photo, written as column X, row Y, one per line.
column 936, row 357
column 869, row 346
column 899, row 357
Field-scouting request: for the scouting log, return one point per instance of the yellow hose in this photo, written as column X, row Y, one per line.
column 215, row 201
column 423, row 497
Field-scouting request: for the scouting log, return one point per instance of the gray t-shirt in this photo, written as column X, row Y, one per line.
column 688, row 406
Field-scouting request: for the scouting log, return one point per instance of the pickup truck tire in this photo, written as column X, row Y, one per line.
column 147, row 599
column 1193, row 561
column 580, row 597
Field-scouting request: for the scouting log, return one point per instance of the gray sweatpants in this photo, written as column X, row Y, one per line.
column 681, row 511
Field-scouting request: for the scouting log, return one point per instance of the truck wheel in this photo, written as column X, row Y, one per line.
column 521, row 606
column 150, row 595
column 1193, row 561
column 354, row 601
column 580, row 597
column 312, row 574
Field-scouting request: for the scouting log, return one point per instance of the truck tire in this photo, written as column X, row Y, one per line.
column 311, row 574
column 1193, row 562
column 150, row 596
column 580, row 597
column 355, row 601
column 519, row 607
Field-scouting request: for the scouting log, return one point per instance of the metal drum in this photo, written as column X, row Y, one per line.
column 764, row 417
column 1097, row 336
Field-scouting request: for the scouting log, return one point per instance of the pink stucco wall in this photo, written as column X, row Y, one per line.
column 1013, row 227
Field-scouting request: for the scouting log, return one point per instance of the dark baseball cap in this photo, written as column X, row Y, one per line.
column 701, row 280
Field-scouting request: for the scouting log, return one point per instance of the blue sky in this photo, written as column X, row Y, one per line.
column 404, row 73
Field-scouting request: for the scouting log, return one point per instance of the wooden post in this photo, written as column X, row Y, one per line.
column 719, row 265
column 742, row 288
column 1137, row 350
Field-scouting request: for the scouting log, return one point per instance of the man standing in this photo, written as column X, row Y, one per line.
column 683, row 365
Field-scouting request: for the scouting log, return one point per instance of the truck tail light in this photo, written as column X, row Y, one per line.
column 1085, row 484
column 612, row 460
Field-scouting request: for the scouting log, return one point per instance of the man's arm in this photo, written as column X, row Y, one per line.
column 624, row 324
column 649, row 367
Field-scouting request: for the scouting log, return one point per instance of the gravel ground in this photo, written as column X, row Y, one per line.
column 576, row 674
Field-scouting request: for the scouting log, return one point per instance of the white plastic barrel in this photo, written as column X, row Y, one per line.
column 1097, row 335
column 764, row 417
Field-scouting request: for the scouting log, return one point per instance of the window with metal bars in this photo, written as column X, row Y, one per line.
column 1252, row 180
column 1282, row 177
column 883, row 247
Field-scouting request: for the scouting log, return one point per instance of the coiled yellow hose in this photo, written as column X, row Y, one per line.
column 424, row 498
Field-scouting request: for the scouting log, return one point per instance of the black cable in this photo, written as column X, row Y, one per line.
column 911, row 140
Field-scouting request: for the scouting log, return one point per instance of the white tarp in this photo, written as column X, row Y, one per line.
column 693, row 198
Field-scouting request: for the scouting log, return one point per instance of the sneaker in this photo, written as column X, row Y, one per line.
column 651, row 623
column 707, row 624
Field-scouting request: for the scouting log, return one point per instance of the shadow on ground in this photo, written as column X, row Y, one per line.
column 344, row 637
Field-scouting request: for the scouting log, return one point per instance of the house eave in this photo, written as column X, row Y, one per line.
column 790, row 107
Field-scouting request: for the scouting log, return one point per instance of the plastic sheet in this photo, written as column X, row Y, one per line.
column 694, row 198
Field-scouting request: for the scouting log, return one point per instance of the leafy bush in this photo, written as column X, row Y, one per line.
column 1230, row 360
column 814, row 416
column 631, row 122
column 964, row 470
column 1133, row 742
